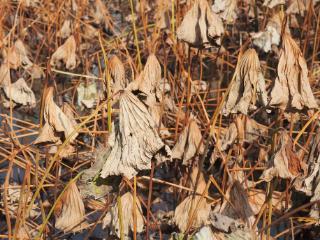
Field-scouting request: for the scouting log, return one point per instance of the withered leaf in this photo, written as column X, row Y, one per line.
column 55, row 122
column 227, row 10
column 127, row 208
column 70, row 211
column 200, row 25
column 20, row 93
column 134, row 140
column 284, row 163
column 291, row 88
column 117, row 74
column 66, row 53
column 193, row 204
column 189, row 143
column 248, row 85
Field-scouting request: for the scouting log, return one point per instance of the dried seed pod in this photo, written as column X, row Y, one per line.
column 134, row 136
column 200, row 25
column 291, row 90
column 66, row 53
column 186, row 208
column 117, row 74
column 70, row 211
column 20, row 93
column 248, row 85
column 55, row 122
column 285, row 163
column 127, row 208
column 227, row 10
column 189, row 143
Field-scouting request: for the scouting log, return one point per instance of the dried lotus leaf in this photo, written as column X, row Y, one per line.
column 127, row 208
column 65, row 30
column 200, row 25
column 117, row 74
column 284, row 163
column 70, row 211
column 134, row 136
column 101, row 14
column 5, row 78
column 227, row 10
column 189, row 143
column 187, row 207
column 55, row 122
column 22, row 54
column 20, row 93
column 66, row 53
column 272, row 33
column 238, row 206
column 246, row 129
column 248, row 85
column 162, row 17
column 273, row 3
column 291, row 88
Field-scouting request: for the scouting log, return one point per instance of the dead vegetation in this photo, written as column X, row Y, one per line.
column 167, row 119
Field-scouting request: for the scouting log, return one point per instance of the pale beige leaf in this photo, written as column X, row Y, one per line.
column 200, row 25
column 127, row 208
column 134, row 136
column 66, row 30
column 70, row 211
column 292, row 88
column 248, row 86
column 55, row 122
column 227, row 10
column 238, row 206
column 5, row 78
column 20, row 93
column 246, row 129
column 66, row 53
column 273, row 3
column 187, row 207
column 189, row 143
column 117, row 74
column 284, row 163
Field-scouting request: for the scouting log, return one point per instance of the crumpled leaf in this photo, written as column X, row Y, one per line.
column 187, row 207
column 20, row 93
column 117, row 74
column 272, row 33
column 189, row 143
column 66, row 30
column 55, row 122
column 162, row 17
column 291, row 88
column 273, row 3
column 22, row 53
column 70, row 211
column 13, row 198
column 248, row 85
column 127, row 208
column 238, row 206
column 101, row 14
column 149, row 83
column 87, row 94
column 200, row 26
column 5, row 78
column 66, row 53
column 243, row 129
column 227, row 10
column 284, row 163
column 135, row 136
